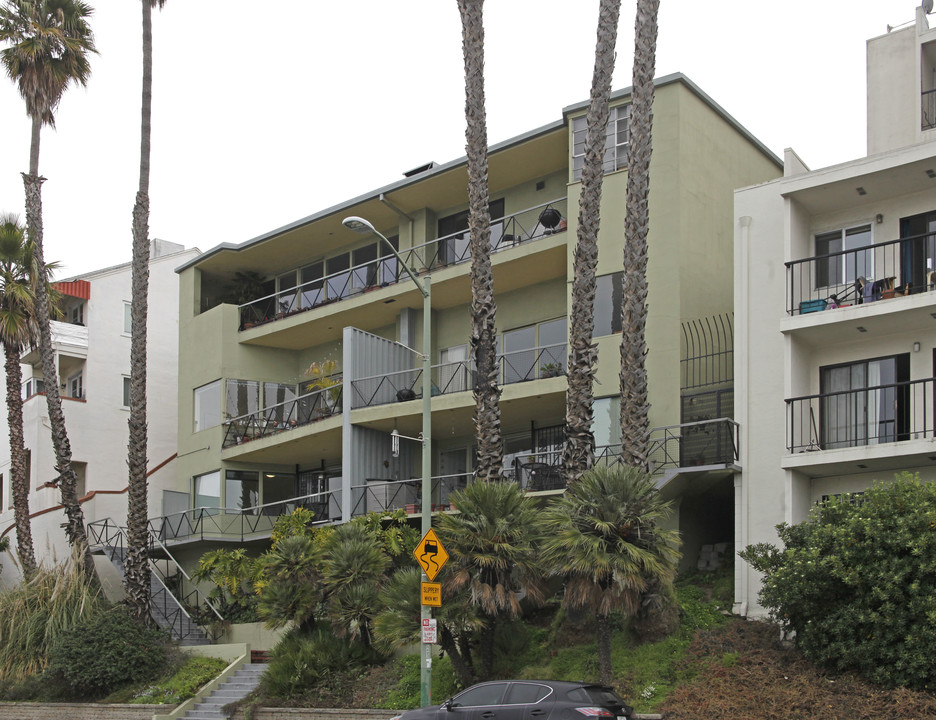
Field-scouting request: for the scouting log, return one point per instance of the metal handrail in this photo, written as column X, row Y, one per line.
column 506, row 232
column 273, row 419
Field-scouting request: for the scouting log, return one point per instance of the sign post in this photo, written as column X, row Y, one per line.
column 431, row 556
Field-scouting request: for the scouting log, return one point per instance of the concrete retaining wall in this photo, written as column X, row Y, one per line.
column 78, row 711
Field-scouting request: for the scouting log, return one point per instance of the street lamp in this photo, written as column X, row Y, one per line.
column 360, row 225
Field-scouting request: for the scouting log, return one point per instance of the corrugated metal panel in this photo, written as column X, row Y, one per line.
column 380, row 369
column 74, row 288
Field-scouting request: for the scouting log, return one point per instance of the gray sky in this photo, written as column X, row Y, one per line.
column 264, row 113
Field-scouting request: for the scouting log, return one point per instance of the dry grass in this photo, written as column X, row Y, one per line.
column 743, row 673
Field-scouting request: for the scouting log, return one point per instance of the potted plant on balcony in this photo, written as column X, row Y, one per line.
column 550, row 370
column 322, row 378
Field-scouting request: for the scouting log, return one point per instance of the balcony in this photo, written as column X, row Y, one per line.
column 241, row 524
column 282, row 417
column 861, row 276
column 447, row 378
column 534, row 223
column 880, row 427
column 68, row 339
column 928, row 110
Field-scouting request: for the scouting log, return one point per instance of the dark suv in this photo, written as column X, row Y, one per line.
column 527, row 700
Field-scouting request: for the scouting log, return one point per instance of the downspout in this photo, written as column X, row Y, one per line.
column 742, row 494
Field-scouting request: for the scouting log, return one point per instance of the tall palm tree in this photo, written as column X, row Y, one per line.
column 602, row 537
column 49, row 43
column 578, row 452
column 16, row 331
column 635, row 408
column 492, row 542
column 490, row 453
column 137, row 571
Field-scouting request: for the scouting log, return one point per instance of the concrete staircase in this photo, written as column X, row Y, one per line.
column 244, row 680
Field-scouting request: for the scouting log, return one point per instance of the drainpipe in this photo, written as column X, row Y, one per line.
column 742, row 380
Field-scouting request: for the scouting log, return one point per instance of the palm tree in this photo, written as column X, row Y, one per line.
column 397, row 625
column 16, row 331
column 578, row 452
column 635, row 409
column 492, row 542
column 49, row 44
column 602, row 537
column 137, row 572
column 490, row 453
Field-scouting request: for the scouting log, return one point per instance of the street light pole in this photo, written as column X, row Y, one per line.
column 424, row 286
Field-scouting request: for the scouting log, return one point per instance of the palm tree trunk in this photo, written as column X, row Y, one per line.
column 635, row 408
column 137, row 570
column 67, row 480
column 462, row 669
column 490, row 453
column 19, row 481
column 604, row 649
column 578, row 452
column 487, row 646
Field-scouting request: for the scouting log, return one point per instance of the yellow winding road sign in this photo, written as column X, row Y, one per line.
column 430, row 554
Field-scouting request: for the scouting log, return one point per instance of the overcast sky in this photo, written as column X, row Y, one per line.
column 264, row 113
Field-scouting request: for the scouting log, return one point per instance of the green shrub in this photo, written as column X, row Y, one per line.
column 195, row 673
column 857, row 582
column 407, row 693
column 109, row 650
column 35, row 613
column 302, row 659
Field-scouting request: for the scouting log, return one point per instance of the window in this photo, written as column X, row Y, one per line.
column 75, row 387
column 525, row 693
column 128, row 318
column 389, row 265
column 453, row 229
column 242, row 491
column 616, row 143
column 338, row 287
column 208, row 406
column 286, row 297
column 207, row 490
column 487, row 694
column 454, row 371
column 278, row 401
column 77, row 314
column 844, row 268
column 33, row 386
column 311, row 291
column 608, row 298
column 243, row 398
column 535, row 351
column 364, row 261
column 865, row 403
column 126, row 391
column 277, row 488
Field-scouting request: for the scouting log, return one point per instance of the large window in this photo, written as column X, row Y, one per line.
column 241, row 491
column 454, row 249
column 207, row 490
column 208, row 406
column 128, row 318
column 242, row 398
column 616, row 143
column 126, row 391
column 454, row 370
column 608, row 297
column 866, row 402
column 847, row 267
column 534, row 351
column 278, row 401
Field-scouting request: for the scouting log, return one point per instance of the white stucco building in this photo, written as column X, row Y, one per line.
column 92, row 343
column 835, row 310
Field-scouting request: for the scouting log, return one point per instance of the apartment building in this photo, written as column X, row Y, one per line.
column 300, row 351
column 835, row 310
column 92, row 349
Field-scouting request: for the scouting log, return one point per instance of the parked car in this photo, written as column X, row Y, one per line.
column 527, row 700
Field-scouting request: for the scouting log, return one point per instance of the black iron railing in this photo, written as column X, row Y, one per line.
column 242, row 523
column 302, row 410
column 531, row 224
column 928, row 110
column 866, row 416
column 402, row 385
column 168, row 602
column 861, row 275
column 381, row 495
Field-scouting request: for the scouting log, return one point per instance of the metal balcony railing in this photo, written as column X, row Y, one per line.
column 531, row 224
column 861, row 275
column 866, row 416
column 242, row 523
column 928, row 109
column 382, row 495
column 299, row 411
column 402, row 385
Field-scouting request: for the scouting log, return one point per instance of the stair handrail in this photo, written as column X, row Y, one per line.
column 154, row 538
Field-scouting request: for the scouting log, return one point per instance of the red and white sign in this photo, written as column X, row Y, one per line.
column 429, row 634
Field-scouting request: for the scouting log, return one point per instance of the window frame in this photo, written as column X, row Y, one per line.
column 126, row 392
column 216, row 418
column 617, row 141
column 128, row 318
column 833, row 272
